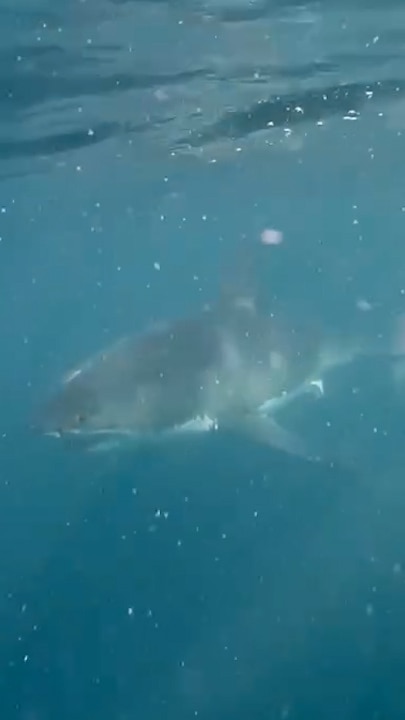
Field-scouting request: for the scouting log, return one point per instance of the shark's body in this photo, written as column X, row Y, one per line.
column 220, row 369
column 226, row 368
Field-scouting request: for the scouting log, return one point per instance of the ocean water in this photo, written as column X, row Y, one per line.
column 140, row 143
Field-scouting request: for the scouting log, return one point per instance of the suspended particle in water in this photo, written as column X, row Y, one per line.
column 271, row 237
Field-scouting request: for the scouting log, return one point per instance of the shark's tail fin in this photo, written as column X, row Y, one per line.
column 366, row 335
column 398, row 354
column 383, row 336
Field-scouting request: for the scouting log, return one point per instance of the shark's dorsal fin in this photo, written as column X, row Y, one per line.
column 239, row 285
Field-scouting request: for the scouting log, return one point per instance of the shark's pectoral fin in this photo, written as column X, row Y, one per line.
column 317, row 388
column 314, row 388
column 266, row 430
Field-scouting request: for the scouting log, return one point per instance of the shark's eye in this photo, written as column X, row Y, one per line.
column 80, row 419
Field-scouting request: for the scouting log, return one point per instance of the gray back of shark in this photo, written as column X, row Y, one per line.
column 221, row 364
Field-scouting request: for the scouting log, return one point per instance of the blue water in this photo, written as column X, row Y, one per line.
column 222, row 579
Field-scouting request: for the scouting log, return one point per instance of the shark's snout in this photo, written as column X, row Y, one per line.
column 69, row 410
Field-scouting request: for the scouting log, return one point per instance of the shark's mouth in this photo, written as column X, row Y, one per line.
column 114, row 436
column 88, row 432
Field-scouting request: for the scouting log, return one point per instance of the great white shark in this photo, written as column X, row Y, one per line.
column 229, row 367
